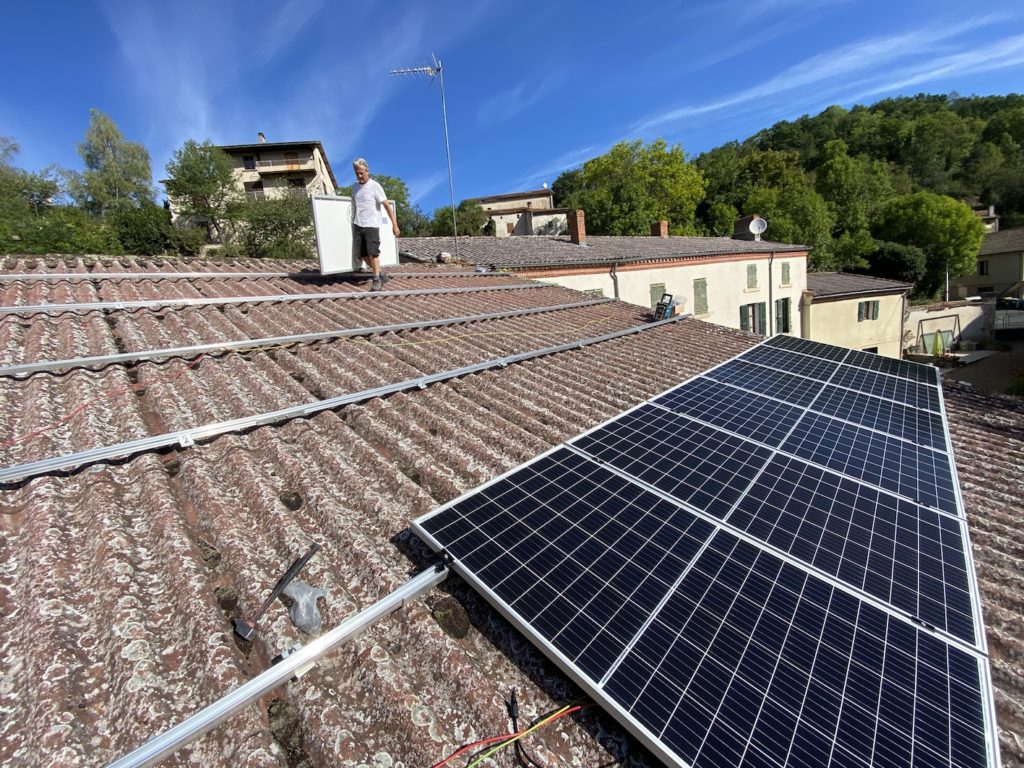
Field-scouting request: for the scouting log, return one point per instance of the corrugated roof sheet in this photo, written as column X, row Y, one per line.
column 118, row 580
column 539, row 251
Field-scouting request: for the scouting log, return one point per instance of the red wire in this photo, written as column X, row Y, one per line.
column 506, row 736
column 105, row 396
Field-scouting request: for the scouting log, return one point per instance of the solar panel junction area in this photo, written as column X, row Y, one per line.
column 767, row 565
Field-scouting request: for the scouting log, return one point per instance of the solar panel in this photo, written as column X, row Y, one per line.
column 766, row 565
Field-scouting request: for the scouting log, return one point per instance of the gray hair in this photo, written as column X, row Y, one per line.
column 360, row 163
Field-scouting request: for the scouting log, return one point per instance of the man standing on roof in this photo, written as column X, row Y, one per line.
column 368, row 197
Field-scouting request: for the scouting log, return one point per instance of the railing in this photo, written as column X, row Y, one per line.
column 256, row 194
column 291, row 164
column 1008, row 318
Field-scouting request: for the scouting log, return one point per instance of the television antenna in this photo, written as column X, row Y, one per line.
column 431, row 71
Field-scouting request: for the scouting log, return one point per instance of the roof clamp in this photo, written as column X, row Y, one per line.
column 288, row 652
column 186, row 440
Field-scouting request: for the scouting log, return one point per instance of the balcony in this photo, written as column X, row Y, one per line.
column 291, row 165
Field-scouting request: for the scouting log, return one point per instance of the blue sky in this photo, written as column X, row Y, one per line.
column 533, row 89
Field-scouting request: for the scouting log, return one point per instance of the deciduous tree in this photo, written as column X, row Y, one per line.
column 945, row 229
column 470, row 215
column 117, row 174
column 201, row 182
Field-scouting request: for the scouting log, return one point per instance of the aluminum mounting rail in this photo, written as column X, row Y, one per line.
column 58, row 276
column 154, row 303
column 187, row 731
column 197, row 349
column 188, row 437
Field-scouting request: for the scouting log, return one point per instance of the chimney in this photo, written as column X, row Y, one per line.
column 745, row 229
column 261, row 138
column 659, row 229
column 577, row 228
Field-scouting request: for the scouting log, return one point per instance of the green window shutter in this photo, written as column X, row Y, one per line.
column 782, row 315
column 785, row 274
column 874, row 310
column 700, row 296
column 861, row 305
column 657, row 291
column 745, row 317
column 751, row 275
column 762, row 325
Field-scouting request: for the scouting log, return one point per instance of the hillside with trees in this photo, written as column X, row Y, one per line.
column 887, row 188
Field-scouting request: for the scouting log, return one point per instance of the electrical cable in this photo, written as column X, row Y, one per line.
column 566, row 710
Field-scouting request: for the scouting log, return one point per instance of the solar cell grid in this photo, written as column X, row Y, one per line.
column 808, row 347
column 710, row 646
column 692, row 462
column 910, row 393
column 752, row 661
column 581, row 555
column 790, row 362
column 917, row 426
column 904, row 369
column 920, row 474
column 897, row 551
column 743, row 413
column 757, row 378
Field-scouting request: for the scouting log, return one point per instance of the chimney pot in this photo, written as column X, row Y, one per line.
column 659, row 229
column 261, row 138
column 577, row 228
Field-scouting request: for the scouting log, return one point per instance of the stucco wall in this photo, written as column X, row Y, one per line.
column 726, row 286
column 835, row 322
column 975, row 320
column 1004, row 269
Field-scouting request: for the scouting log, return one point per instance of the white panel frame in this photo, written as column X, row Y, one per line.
column 332, row 223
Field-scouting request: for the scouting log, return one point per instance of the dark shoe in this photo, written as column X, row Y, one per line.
column 384, row 277
column 375, row 286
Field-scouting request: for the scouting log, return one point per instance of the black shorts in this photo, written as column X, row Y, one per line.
column 365, row 241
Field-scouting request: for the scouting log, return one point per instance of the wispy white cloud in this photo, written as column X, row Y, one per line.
column 876, row 54
column 555, row 167
column 420, row 187
column 517, row 99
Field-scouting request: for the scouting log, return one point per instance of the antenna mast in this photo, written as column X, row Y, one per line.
column 432, row 71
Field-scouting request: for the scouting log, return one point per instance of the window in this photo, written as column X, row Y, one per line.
column 751, row 276
column 249, row 162
column 983, row 267
column 297, row 183
column 785, row 273
column 254, row 189
column 598, row 292
column 657, row 291
column 867, row 310
column 752, row 318
column 700, row 296
column 782, row 316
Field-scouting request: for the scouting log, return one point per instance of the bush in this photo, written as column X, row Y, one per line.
column 280, row 228
column 61, row 229
column 186, row 241
column 144, row 230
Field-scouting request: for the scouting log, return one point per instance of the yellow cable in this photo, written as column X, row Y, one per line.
column 514, row 739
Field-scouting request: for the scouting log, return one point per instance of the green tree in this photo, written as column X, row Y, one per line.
column 626, row 189
column 946, row 230
column 796, row 214
column 276, row 228
column 411, row 218
column 896, row 262
column 117, row 174
column 142, row 230
column 470, row 215
column 201, row 183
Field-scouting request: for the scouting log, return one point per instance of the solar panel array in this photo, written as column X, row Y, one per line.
column 767, row 565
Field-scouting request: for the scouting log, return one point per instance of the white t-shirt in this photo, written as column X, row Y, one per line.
column 367, row 199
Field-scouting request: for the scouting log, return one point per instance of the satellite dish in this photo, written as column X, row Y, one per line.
column 757, row 225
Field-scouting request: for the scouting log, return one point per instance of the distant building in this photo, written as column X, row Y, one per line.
column 275, row 169
column 1000, row 267
column 856, row 311
column 524, row 213
column 748, row 284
